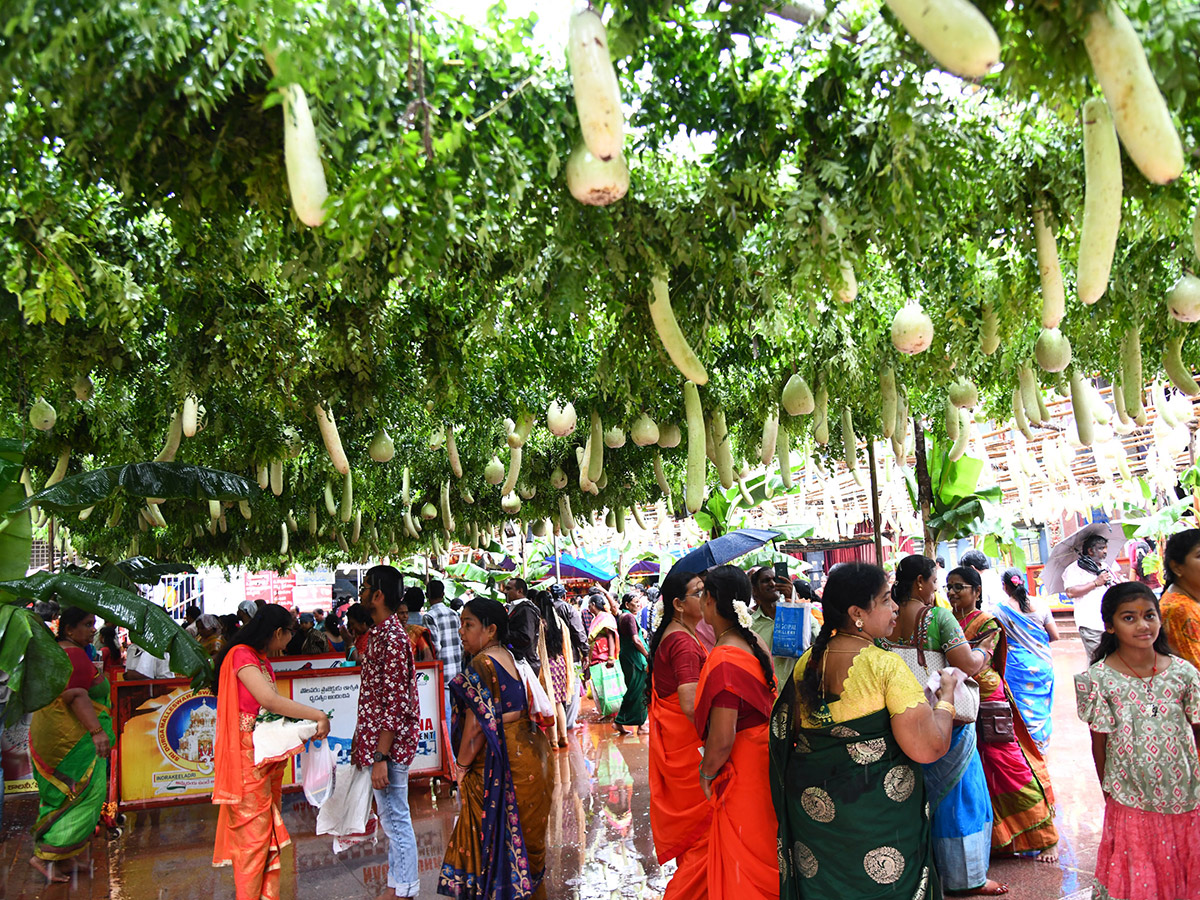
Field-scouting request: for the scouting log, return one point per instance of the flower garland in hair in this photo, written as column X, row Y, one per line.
column 743, row 613
column 656, row 614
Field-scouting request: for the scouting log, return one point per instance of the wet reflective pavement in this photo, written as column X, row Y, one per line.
column 599, row 842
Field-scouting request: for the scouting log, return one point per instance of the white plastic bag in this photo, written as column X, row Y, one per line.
column 541, row 709
column 347, row 812
column 316, row 772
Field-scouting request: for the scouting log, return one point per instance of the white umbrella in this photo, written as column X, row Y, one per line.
column 1066, row 552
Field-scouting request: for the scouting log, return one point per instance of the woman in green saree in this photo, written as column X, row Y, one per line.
column 847, row 733
column 634, row 660
column 69, row 741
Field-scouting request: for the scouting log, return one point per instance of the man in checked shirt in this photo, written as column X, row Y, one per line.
column 443, row 621
column 385, row 739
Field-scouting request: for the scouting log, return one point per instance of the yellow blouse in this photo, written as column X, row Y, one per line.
column 878, row 679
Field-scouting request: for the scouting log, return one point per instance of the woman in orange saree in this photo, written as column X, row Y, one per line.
column 498, row 848
column 250, row 829
column 733, row 710
column 680, row 815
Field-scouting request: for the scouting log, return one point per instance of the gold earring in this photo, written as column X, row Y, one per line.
column 858, row 623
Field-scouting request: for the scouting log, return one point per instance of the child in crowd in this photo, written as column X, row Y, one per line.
column 1143, row 707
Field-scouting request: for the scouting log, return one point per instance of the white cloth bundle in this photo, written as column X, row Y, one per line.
column 280, row 738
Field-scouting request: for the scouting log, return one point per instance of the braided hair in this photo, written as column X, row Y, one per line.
column 1014, row 586
column 1179, row 545
column 727, row 584
column 673, row 588
column 910, row 569
column 850, row 584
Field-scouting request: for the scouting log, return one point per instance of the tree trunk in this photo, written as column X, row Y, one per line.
column 924, row 488
column 875, row 504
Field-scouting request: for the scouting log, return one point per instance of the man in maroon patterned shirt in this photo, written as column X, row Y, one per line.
column 385, row 738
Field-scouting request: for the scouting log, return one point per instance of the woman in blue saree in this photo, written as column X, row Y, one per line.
column 955, row 784
column 1029, row 671
column 498, row 848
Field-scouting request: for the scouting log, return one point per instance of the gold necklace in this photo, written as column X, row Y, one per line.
column 866, row 641
column 857, row 637
column 723, row 633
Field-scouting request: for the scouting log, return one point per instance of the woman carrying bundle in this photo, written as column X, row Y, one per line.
column 734, row 697
column 250, row 829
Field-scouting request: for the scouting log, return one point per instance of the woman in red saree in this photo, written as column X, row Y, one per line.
column 680, row 814
column 250, row 830
column 733, row 709
column 1019, row 785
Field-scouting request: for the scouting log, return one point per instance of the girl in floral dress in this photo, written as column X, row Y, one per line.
column 1143, row 707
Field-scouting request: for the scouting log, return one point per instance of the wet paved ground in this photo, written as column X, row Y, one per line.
column 599, row 837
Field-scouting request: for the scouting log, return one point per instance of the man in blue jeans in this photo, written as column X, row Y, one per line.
column 385, row 738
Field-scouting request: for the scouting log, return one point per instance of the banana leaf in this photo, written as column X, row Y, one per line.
column 26, row 645
column 16, row 530
column 137, row 570
column 168, row 480
column 150, row 626
column 467, row 571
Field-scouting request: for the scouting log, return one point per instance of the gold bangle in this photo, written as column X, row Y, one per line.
column 946, row 705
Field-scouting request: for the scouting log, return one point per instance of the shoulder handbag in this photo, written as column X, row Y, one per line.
column 996, row 722
column 923, row 663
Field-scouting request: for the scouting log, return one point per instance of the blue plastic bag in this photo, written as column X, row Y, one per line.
column 793, row 623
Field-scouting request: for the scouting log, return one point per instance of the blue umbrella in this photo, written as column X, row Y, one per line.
column 727, row 547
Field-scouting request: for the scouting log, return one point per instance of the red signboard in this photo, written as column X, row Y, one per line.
column 287, row 591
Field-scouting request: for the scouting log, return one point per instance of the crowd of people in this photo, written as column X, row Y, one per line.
column 897, row 756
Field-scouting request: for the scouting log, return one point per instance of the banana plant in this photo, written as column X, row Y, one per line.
column 107, row 590
column 26, row 647
column 163, row 480
column 726, row 510
column 150, row 626
column 16, row 529
column 958, row 505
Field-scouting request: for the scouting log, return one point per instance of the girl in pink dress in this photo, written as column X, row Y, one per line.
column 1143, row 707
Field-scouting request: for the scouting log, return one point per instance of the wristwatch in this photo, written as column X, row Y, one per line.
column 381, row 757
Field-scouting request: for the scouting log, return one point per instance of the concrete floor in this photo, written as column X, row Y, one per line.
column 600, row 843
